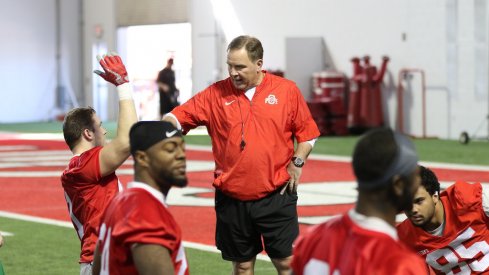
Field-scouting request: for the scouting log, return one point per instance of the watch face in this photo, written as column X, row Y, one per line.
column 298, row 162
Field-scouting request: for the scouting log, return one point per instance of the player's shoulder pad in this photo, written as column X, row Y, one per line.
column 465, row 196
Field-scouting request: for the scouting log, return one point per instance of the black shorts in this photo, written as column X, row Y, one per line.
column 241, row 225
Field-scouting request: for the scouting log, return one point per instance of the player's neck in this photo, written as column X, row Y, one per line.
column 437, row 219
column 373, row 207
column 146, row 178
column 82, row 147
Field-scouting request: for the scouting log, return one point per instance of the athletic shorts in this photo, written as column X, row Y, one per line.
column 240, row 226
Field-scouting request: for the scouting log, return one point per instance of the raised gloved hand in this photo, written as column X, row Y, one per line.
column 115, row 71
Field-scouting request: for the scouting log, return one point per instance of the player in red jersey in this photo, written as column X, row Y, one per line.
column 138, row 234
column 364, row 240
column 449, row 230
column 89, row 181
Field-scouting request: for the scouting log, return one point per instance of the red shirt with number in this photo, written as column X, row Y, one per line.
column 138, row 215
column 87, row 194
column 268, row 123
column 463, row 247
column 354, row 244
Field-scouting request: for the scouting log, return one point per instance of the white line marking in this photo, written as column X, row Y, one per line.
column 320, row 219
column 429, row 164
column 60, row 164
column 29, row 159
column 206, row 148
column 29, row 218
column 5, row 233
column 198, row 147
column 211, row 248
column 192, row 166
column 17, row 147
column 37, row 153
column 39, row 136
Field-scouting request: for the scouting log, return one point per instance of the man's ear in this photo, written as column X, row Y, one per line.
column 259, row 63
column 141, row 158
column 88, row 135
column 435, row 197
column 398, row 185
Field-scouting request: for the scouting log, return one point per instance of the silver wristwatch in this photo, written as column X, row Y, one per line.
column 298, row 162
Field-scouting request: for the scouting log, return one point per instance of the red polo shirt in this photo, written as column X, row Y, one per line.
column 269, row 122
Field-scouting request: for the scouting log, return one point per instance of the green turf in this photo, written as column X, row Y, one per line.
column 47, row 249
column 435, row 150
column 198, row 140
column 35, row 127
column 208, row 263
column 39, row 249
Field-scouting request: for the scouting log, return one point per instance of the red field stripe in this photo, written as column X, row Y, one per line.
column 41, row 144
column 44, row 197
column 452, row 175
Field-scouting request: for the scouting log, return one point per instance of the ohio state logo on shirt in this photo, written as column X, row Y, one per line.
column 271, row 99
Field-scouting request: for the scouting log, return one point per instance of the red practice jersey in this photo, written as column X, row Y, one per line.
column 138, row 215
column 87, row 194
column 354, row 244
column 268, row 123
column 463, row 245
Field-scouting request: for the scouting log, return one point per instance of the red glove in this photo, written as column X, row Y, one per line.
column 115, row 71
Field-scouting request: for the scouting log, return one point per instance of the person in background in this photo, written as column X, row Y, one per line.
column 89, row 181
column 253, row 119
column 167, row 89
column 364, row 240
column 138, row 234
column 450, row 230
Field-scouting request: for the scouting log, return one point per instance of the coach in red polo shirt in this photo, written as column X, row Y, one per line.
column 253, row 118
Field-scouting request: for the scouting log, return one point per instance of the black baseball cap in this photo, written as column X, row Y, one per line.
column 145, row 134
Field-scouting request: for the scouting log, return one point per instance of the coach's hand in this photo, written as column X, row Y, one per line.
column 114, row 70
column 295, row 174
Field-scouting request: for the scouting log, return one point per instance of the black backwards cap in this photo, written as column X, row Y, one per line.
column 145, row 134
column 404, row 163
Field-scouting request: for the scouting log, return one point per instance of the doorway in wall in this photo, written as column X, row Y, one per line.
column 146, row 50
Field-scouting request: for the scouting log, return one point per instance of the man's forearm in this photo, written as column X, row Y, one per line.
column 303, row 150
column 127, row 112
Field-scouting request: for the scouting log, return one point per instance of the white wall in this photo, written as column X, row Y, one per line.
column 71, row 48
column 27, row 67
column 448, row 39
column 28, row 57
column 101, row 15
column 205, row 46
column 355, row 28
